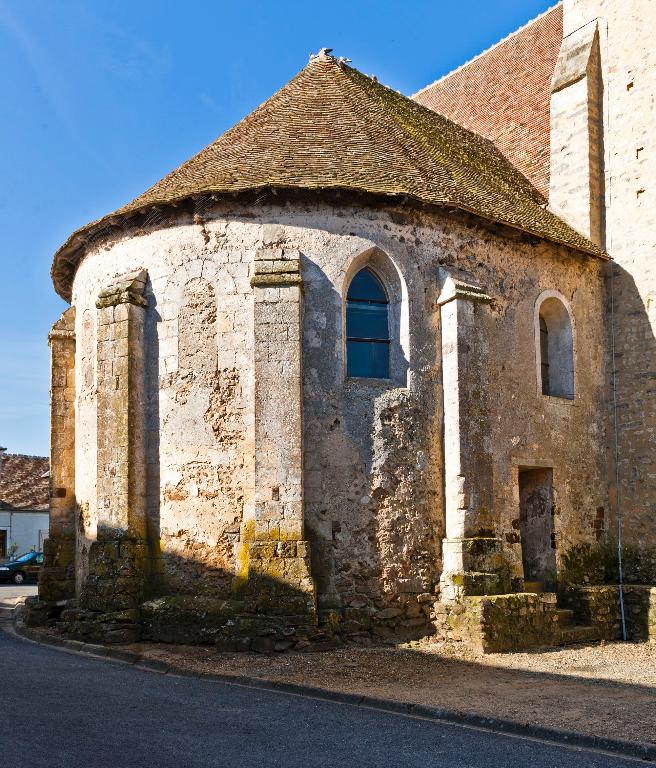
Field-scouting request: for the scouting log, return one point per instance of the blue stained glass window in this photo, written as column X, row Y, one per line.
column 365, row 286
column 367, row 327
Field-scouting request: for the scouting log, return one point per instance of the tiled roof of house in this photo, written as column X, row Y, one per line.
column 24, row 482
column 504, row 94
column 333, row 128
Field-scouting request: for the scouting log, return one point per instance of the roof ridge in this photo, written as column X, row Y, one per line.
column 361, row 81
column 245, row 120
column 435, row 117
column 24, row 456
column 488, row 49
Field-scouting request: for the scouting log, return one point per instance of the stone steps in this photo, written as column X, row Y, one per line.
column 565, row 617
column 571, row 633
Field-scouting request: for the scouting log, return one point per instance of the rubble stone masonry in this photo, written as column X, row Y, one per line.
column 256, row 471
column 57, row 578
column 217, row 474
column 118, row 559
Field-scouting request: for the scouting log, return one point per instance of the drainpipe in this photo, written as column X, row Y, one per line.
column 618, row 492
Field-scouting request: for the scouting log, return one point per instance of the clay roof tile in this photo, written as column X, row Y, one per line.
column 24, row 482
column 504, row 94
column 333, row 128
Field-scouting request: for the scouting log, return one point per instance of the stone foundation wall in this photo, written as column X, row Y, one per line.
column 598, row 564
column 500, row 623
column 600, row 607
column 238, row 625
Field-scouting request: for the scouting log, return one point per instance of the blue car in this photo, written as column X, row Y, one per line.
column 22, row 569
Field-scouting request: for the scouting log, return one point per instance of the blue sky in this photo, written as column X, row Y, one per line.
column 101, row 99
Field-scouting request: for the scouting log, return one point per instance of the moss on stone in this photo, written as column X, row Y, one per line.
column 598, row 564
column 186, row 618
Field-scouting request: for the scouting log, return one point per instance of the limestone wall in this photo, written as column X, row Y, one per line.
column 628, row 68
column 599, row 606
column 373, row 452
column 198, row 398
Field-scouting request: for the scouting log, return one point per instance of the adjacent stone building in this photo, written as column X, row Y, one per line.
column 348, row 371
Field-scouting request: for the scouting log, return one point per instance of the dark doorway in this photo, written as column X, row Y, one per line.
column 3, row 543
column 536, row 525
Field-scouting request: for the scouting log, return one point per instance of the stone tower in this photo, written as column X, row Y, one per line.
column 603, row 181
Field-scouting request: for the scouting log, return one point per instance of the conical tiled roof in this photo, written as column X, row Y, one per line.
column 333, row 128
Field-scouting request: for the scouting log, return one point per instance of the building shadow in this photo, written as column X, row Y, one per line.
column 632, row 405
column 152, row 440
column 367, row 452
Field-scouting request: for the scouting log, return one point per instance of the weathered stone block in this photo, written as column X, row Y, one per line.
column 296, row 569
column 501, row 622
column 388, row 613
column 263, row 550
column 117, row 574
column 102, row 626
column 187, row 618
column 275, row 568
column 287, row 549
column 291, row 530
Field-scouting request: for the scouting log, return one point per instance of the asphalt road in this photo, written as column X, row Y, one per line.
column 63, row 709
column 10, row 592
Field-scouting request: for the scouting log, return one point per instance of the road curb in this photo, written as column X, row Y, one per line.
column 641, row 750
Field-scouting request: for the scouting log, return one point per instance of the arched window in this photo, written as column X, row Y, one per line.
column 367, row 327
column 556, row 349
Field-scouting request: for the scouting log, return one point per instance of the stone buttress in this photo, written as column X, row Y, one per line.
column 113, row 591
column 277, row 577
column 57, row 579
column 473, row 563
column 577, row 148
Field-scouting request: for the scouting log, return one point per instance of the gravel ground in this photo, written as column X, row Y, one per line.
column 603, row 689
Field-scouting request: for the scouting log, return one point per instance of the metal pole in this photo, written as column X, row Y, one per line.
column 618, row 494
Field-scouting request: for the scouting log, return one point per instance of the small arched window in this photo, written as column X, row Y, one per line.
column 556, row 349
column 367, row 327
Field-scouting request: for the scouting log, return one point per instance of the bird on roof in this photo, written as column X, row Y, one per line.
column 324, row 53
